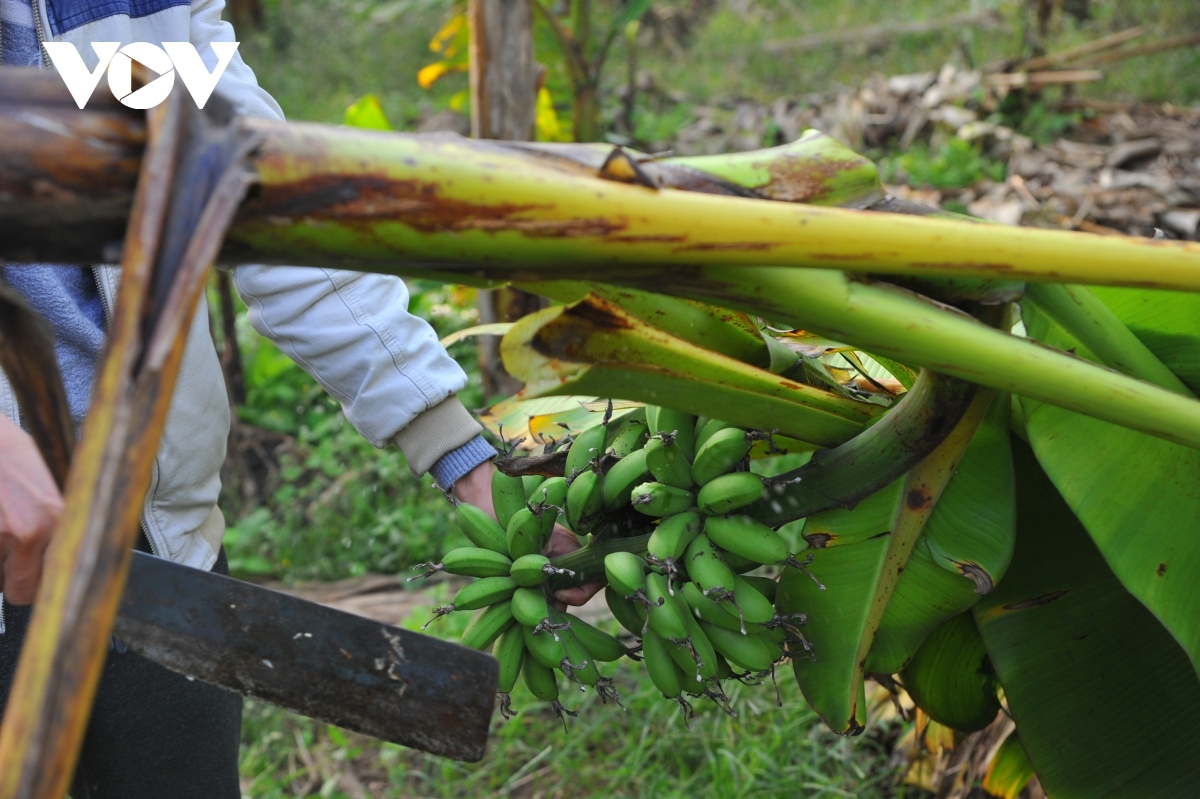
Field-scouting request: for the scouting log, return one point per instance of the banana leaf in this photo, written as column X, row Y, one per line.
column 1106, row 702
column 718, row 329
column 1009, row 771
column 970, row 534
column 1138, row 497
column 973, row 527
column 871, row 517
column 852, row 586
column 593, row 347
column 926, row 596
column 1167, row 322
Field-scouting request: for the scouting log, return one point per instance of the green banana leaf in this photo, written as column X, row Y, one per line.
column 1167, row 322
column 973, row 527
column 718, row 329
column 1138, row 496
column 853, row 584
column 970, row 534
column 1106, row 702
column 1010, row 770
column 838, row 618
column 926, row 596
column 594, row 347
column 871, row 517
column 950, row 679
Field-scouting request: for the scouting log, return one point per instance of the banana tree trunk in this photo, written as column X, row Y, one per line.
column 333, row 196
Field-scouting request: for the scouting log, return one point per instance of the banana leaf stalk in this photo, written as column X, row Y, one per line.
column 1083, row 315
column 594, row 347
column 913, row 330
column 335, row 196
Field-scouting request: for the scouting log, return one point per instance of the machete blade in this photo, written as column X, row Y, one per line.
column 373, row 678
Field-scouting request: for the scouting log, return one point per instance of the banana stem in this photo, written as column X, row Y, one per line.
column 1084, row 316
column 904, row 326
column 588, row 562
column 840, row 477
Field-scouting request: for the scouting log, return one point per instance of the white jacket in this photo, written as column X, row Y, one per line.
column 351, row 331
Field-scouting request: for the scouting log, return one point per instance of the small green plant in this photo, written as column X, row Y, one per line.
column 957, row 164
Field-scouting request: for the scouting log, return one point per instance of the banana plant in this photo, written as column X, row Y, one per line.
column 1020, row 520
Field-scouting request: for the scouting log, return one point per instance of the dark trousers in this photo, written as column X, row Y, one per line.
column 153, row 733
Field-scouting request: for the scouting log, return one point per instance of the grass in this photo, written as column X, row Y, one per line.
column 644, row 751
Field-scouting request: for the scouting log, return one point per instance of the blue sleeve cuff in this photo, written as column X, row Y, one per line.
column 457, row 462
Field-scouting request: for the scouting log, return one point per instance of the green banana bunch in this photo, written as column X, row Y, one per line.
column 679, row 589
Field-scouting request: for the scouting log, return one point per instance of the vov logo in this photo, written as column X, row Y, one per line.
column 172, row 57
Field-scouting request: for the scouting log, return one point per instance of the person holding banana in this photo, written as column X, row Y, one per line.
column 154, row 733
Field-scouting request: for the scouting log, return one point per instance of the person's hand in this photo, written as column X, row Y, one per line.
column 563, row 541
column 475, row 488
column 30, row 505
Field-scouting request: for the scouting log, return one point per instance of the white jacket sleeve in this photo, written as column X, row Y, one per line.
column 351, row 331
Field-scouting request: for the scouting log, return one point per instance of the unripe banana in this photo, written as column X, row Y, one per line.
column 530, row 482
column 723, row 450
column 508, row 496
column 483, row 531
column 695, row 657
column 549, row 498
column 540, row 680
column 660, row 666
column 723, row 670
column 706, row 431
column 585, row 500
column 544, row 648
column 737, row 563
column 587, row 447
column 622, row 477
column 680, row 425
column 667, row 463
column 765, row 586
column 652, row 412
column 529, row 606
column 754, row 607
column 721, row 614
column 630, row 615
column 629, row 435
column 602, row 647
column 524, row 534
column 706, row 567
column 482, row 593
column 746, row 537
column 701, row 421
column 475, row 562
column 671, row 537
column 665, row 616
column 529, row 570
column 626, row 572
column 729, row 492
column 487, row 625
column 658, row 499
column 509, row 652
column 750, row 652
column 703, row 647
column 577, row 663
